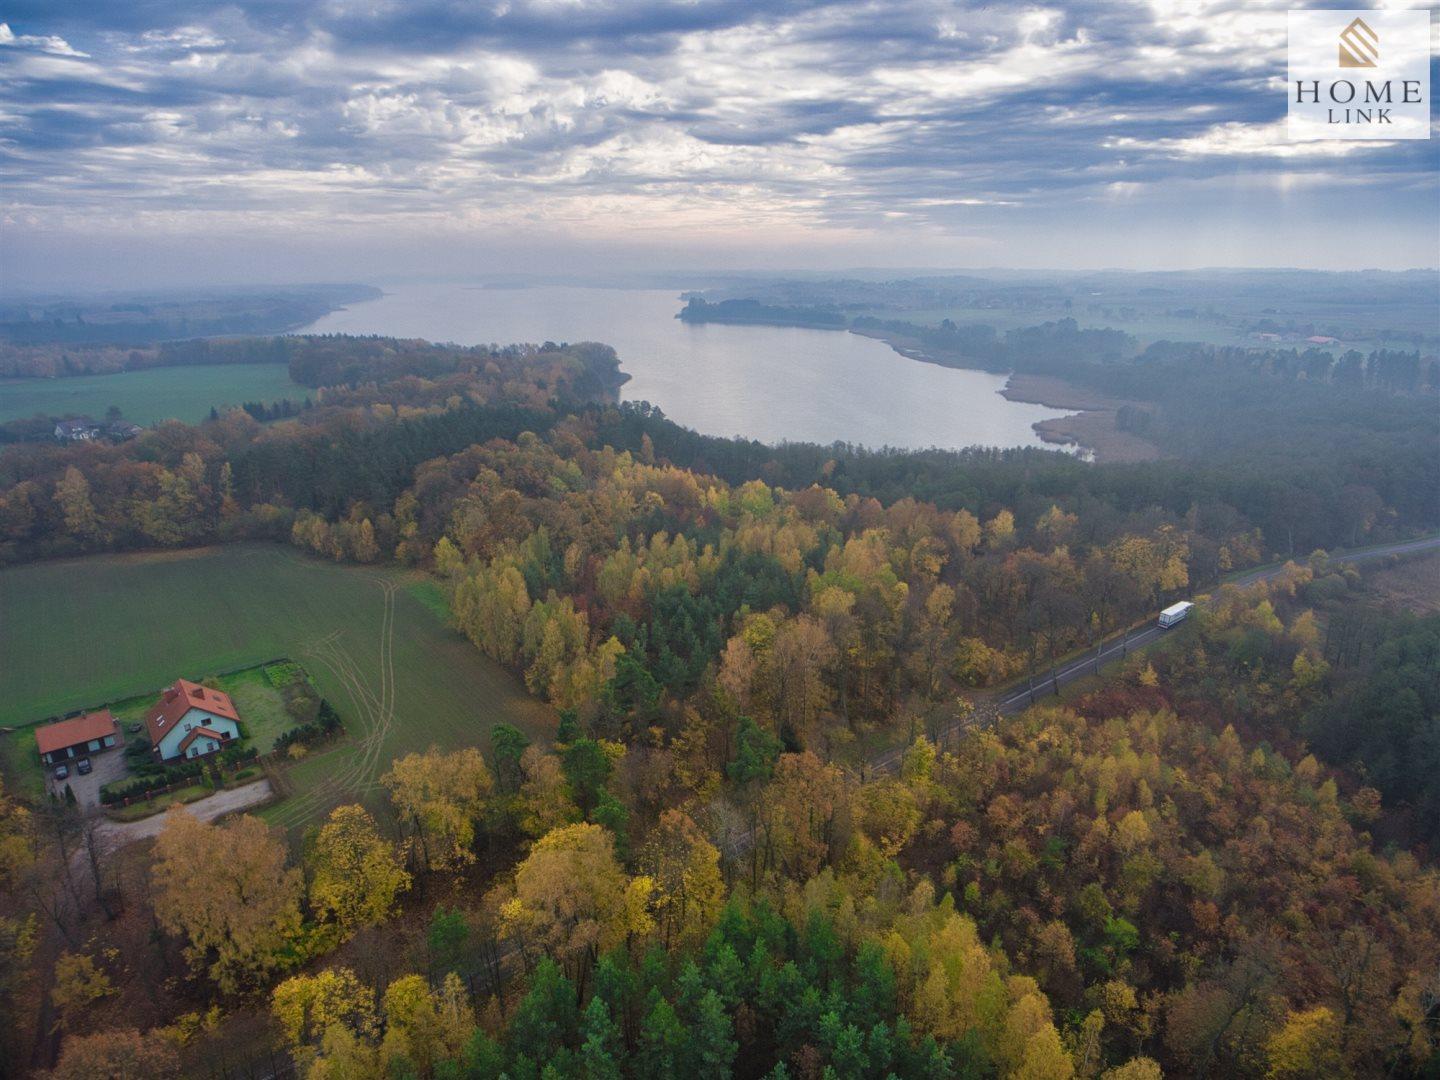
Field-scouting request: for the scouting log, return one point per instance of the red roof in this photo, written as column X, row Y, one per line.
column 178, row 700
column 195, row 733
column 76, row 730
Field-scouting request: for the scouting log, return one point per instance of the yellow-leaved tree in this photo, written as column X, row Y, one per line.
column 355, row 872
column 309, row 1007
column 78, row 984
column 423, row 1026
column 685, row 870
column 227, row 889
column 1308, row 1046
column 572, row 899
column 441, row 796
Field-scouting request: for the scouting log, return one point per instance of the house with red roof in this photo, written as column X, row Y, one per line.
column 191, row 720
column 76, row 737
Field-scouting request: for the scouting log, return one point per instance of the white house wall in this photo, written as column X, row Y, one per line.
column 170, row 742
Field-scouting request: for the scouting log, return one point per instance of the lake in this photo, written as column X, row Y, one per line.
column 775, row 384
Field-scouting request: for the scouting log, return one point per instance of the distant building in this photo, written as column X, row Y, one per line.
column 121, row 430
column 76, row 737
column 76, row 430
column 1321, row 339
column 191, row 720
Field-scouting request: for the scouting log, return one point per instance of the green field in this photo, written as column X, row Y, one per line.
column 145, row 397
column 83, row 632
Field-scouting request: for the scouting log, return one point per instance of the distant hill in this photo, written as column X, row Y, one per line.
column 141, row 319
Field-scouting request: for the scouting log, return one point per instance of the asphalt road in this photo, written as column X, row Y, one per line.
column 1013, row 700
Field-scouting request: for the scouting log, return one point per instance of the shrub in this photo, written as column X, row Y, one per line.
column 237, row 754
column 283, row 673
column 302, row 703
column 152, row 774
column 137, row 752
column 325, row 724
column 161, row 776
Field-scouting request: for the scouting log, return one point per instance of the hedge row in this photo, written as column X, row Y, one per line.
column 327, row 722
column 164, row 775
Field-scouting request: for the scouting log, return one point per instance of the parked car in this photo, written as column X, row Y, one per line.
column 136, row 728
column 83, row 766
column 62, row 771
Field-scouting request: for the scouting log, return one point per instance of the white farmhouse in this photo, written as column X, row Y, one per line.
column 76, row 430
column 191, row 720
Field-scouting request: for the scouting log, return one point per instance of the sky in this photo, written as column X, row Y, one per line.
column 158, row 142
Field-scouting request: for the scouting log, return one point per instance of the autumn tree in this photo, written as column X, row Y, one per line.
column 544, row 802
column 491, row 605
column 226, row 888
column 805, row 815
column 572, row 899
column 79, row 983
column 1308, row 1046
column 365, row 549
column 309, row 1007
column 685, row 870
column 889, row 815
column 72, row 493
column 424, row 1026
column 123, row 1054
column 1000, row 530
column 442, row 796
column 794, row 676
column 355, row 872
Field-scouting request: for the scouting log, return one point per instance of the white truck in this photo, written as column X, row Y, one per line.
column 1175, row 613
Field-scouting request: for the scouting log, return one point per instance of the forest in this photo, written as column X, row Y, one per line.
column 1216, row 860
column 1222, row 305
column 54, row 336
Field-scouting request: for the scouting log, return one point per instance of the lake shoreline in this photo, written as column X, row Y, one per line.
column 1091, row 426
column 773, row 384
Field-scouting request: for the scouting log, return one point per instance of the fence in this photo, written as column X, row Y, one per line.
column 155, row 793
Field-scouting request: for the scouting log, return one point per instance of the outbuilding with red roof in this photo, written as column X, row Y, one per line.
column 77, row 737
column 191, row 721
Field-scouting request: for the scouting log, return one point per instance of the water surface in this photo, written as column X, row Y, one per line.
column 774, row 384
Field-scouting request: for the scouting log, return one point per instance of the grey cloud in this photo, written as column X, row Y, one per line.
column 844, row 114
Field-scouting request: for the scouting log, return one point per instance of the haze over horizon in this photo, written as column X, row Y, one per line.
column 169, row 142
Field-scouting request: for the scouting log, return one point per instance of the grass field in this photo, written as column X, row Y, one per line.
column 180, row 393
column 80, row 632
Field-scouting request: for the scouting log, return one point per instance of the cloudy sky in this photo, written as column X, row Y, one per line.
column 151, row 141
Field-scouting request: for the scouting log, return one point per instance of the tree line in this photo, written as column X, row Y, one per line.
column 1129, row 885
column 701, row 872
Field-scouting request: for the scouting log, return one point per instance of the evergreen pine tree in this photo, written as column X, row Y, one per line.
column 601, row 1048
column 712, row 1047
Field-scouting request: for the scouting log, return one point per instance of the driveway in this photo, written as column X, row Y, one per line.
column 119, row 833
column 109, row 766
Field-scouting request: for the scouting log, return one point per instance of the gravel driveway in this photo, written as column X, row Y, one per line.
column 108, row 766
column 119, row 833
